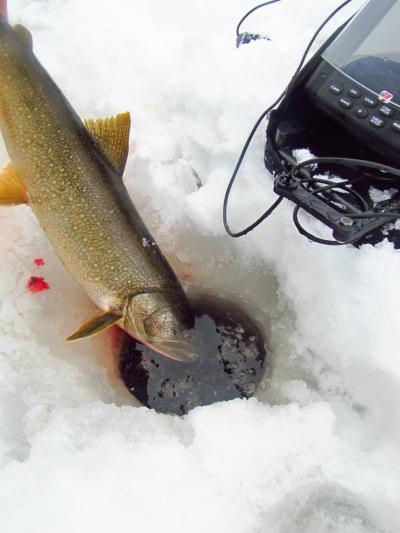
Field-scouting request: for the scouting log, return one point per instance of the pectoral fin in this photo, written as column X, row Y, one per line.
column 177, row 350
column 112, row 135
column 95, row 325
column 12, row 190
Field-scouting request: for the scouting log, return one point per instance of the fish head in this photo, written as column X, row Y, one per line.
column 162, row 324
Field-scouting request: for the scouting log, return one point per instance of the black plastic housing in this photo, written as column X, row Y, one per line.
column 333, row 115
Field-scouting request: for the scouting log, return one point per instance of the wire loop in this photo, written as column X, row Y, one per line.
column 258, row 122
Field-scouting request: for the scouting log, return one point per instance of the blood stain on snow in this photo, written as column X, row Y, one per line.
column 39, row 262
column 37, row 284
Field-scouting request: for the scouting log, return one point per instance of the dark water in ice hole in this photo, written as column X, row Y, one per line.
column 232, row 364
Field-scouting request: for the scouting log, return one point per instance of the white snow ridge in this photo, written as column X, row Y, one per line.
column 318, row 450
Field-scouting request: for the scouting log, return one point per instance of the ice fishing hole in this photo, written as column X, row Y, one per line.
column 233, row 361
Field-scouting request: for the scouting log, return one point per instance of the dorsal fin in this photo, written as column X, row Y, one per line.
column 112, row 135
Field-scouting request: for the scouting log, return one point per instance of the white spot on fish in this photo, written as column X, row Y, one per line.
column 146, row 243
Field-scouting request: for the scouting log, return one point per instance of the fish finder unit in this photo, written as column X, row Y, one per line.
column 357, row 79
column 344, row 107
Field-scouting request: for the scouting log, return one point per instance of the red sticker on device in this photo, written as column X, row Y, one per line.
column 386, row 97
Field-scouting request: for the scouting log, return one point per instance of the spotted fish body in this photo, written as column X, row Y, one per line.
column 75, row 189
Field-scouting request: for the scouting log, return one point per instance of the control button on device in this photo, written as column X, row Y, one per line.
column 354, row 92
column 386, row 111
column 346, row 103
column 377, row 122
column 361, row 112
column 336, row 88
column 396, row 126
column 369, row 102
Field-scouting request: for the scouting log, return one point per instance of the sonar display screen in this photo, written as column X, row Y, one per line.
column 369, row 49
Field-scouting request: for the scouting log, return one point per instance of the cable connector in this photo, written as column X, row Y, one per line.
column 286, row 181
column 246, row 37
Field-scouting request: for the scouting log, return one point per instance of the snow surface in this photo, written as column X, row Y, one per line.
column 318, row 450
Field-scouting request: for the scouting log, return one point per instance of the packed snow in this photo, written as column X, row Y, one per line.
column 318, row 449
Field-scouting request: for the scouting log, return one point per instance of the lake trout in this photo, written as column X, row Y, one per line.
column 70, row 174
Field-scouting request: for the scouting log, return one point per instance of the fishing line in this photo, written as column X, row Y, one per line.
column 260, row 119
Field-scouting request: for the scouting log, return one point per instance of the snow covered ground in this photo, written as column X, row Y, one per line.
column 318, row 450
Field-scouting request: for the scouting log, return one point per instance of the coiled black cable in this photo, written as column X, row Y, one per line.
column 391, row 174
column 258, row 122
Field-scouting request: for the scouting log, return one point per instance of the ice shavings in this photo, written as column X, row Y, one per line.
column 377, row 195
column 302, row 154
column 394, row 226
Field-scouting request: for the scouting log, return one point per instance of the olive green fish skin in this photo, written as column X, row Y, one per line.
column 80, row 200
